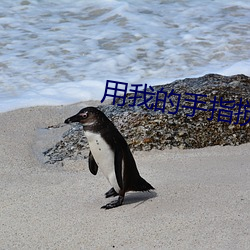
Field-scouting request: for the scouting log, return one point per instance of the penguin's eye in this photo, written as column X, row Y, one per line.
column 84, row 115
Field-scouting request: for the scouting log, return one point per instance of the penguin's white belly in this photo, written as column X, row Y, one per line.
column 104, row 157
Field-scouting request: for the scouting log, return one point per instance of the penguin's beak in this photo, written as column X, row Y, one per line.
column 74, row 118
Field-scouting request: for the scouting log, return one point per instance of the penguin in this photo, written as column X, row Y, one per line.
column 110, row 152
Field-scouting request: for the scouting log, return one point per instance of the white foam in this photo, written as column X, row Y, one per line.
column 60, row 52
column 242, row 67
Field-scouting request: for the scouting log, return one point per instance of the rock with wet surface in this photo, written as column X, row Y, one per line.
column 146, row 129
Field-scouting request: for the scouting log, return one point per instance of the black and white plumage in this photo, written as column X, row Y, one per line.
column 110, row 152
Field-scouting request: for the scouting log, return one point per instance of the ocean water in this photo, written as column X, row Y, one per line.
column 61, row 52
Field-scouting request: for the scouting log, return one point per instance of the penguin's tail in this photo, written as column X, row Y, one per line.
column 141, row 185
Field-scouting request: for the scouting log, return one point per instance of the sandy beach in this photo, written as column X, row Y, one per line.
column 201, row 198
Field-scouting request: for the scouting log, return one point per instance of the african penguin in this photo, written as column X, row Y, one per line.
column 110, row 152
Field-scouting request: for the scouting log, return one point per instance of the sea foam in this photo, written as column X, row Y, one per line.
column 62, row 52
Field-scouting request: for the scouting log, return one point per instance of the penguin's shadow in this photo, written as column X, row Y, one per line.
column 137, row 198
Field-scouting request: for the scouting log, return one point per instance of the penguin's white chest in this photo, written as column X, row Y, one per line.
column 104, row 157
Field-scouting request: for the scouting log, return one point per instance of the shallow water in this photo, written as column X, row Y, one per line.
column 62, row 52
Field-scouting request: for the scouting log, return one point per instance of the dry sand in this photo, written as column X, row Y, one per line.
column 201, row 201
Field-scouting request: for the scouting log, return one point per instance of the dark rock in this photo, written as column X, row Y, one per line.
column 145, row 129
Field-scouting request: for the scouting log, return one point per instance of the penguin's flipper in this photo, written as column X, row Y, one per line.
column 111, row 193
column 118, row 166
column 93, row 167
column 115, row 203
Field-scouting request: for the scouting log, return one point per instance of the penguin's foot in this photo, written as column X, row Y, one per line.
column 113, row 204
column 111, row 193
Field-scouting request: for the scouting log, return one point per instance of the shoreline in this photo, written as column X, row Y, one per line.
column 201, row 198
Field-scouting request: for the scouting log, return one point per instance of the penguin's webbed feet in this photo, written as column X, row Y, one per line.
column 111, row 193
column 113, row 204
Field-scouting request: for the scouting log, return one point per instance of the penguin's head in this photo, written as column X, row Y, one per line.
column 88, row 117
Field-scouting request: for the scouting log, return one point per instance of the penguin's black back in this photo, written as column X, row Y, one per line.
column 131, row 178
